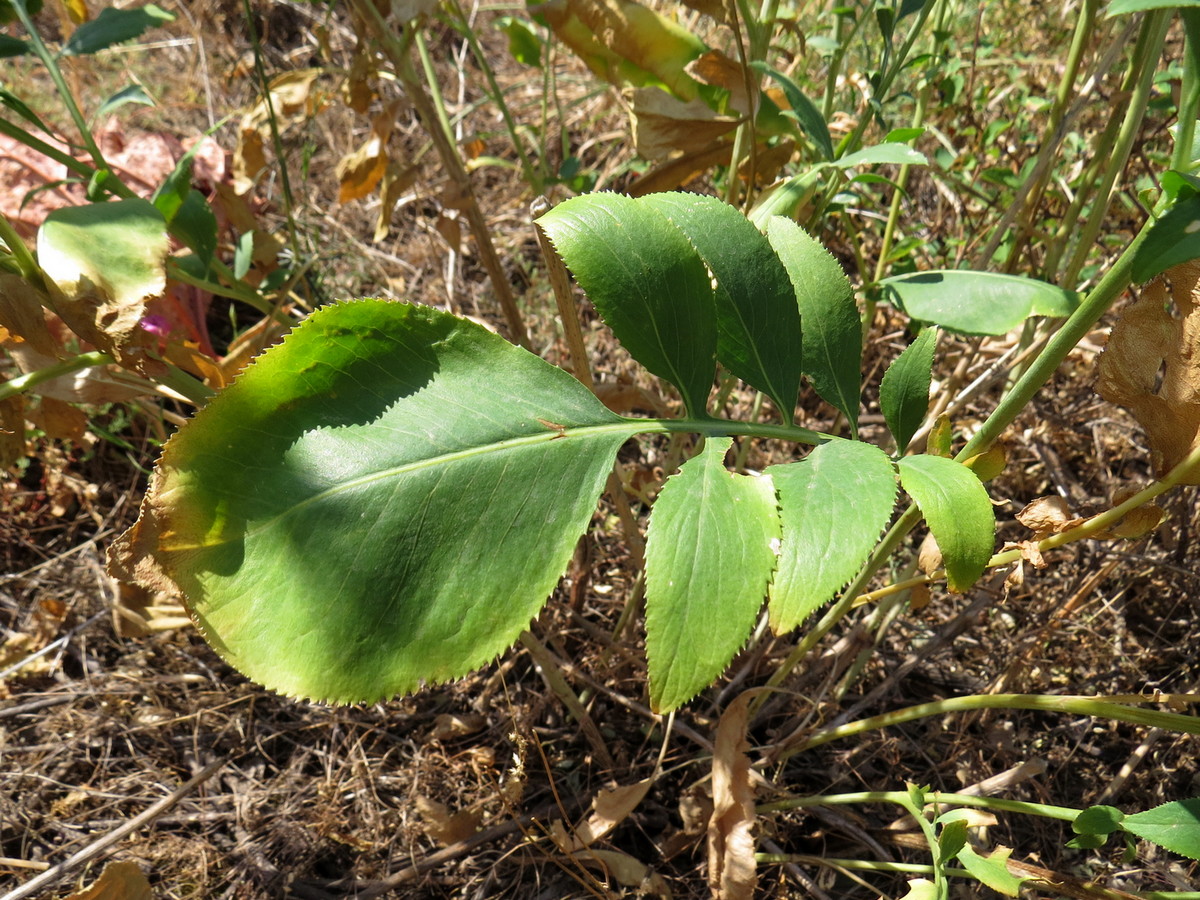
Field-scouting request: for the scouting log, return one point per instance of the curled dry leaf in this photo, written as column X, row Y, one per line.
column 663, row 125
column 929, row 557
column 731, row 874
column 610, row 807
column 1046, row 516
column 360, row 172
column 1151, row 366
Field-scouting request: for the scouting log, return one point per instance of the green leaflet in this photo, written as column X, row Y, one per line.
column 758, row 322
column 904, row 390
column 802, row 110
column 708, row 560
column 833, row 506
column 385, row 499
column 647, row 282
column 992, row 870
column 828, row 315
column 977, row 302
column 1175, row 826
column 958, row 511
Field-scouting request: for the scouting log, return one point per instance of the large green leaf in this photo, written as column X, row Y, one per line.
column 648, row 283
column 956, row 506
column 114, row 26
column 833, row 505
column 1173, row 239
column 758, row 322
column 904, row 389
column 383, row 500
column 1175, row 826
column 828, row 315
column 708, row 559
column 976, row 302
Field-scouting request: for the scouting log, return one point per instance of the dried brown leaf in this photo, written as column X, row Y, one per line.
column 1046, row 516
column 610, row 807
column 663, row 125
column 731, row 874
column 23, row 316
column 1151, row 366
column 444, row 826
column 118, row 881
column 716, row 69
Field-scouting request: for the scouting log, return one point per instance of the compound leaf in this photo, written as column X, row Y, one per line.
column 833, row 505
column 709, row 557
column 648, row 283
column 383, row 500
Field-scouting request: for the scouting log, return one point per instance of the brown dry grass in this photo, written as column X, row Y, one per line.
column 311, row 801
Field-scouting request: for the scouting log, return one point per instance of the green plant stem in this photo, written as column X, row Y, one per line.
column 285, row 182
column 853, row 141
column 433, row 118
column 70, row 163
column 1098, row 707
column 883, row 550
column 174, row 378
column 60, row 84
column 532, row 177
column 862, row 865
column 914, row 809
column 936, row 798
column 1073, row 330
column 30, row 270
column 21, row 383
column 889, row 229
column 1189, row 94
column 1032, row 189
column 1138, row 83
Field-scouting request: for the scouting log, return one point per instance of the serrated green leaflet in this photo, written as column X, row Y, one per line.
column 992, row 870
column 758, row 322
column 977, row 302
column 384, row 499
column 828, row 315
column 958, row 511
column 708, row 560
column 1175, row 826
column 833, row 506
column 904, row 390
column 648, row 284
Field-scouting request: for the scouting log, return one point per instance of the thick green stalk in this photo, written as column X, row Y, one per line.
column 938, row 798
column 175, row 379
column 1139, row 82
column 30, row 270
column 1029, row 195
column 1189, row 95
column 1097, row 707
